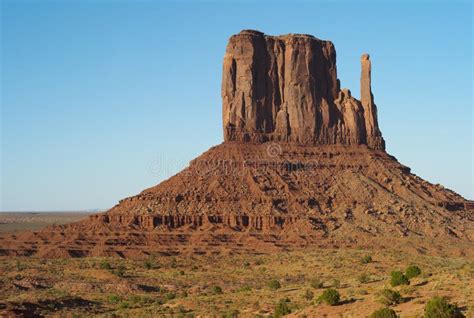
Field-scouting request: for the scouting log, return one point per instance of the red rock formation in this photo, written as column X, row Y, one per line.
column 285, row 88
column 315, row 188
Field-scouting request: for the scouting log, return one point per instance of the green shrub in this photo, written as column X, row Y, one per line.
column 120, row 270
column 390, row 297
column 148, row 264
column 316, row 283
column 366, row 259
column 124, row 305
column 407, row 290
column 105, row 265
column 170, row 296
column 412, row 271
column 363, row 278
column 216, row 290
column 330, row 296
column 139, row 300
column 308, row 295
column 398, row 278
column 114, row 299
column 438, row 307
column 234, row 313
column 282, row 308
column 274, row 284
column 20, row 266
column 384, row 313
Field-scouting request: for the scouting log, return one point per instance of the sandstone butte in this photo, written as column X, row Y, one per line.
column 303, row 165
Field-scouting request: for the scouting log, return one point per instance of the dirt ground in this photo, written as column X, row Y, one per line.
column 229, row 285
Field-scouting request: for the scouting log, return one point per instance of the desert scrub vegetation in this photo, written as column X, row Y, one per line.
column 274, row 284
column 389, row 297
column 384, row 313
column 282, row 308
column 114, row 299
column 233, row 313
column 316, row 283
column 148, row 264
column 169, row 296
column 119, row 270
column 105, row 265
column 245, row 287
column 336, row 283
column 412, row 271
column 330, row 296
column 308, row 295
column 439, row 307
column 133, row 301
column 398, row 278
column 363, row 278
column 173, row 263
column 366, row 259
column 216, row 290
column 151, row 263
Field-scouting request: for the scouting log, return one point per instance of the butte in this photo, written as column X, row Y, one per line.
column 303, row 165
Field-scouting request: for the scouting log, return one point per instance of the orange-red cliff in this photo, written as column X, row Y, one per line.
column 285, row 88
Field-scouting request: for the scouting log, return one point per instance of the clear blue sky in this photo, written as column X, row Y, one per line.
column 101, row 99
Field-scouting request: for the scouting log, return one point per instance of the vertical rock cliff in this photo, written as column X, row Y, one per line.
column 285, row 88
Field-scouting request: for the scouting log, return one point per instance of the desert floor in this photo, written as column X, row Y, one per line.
column 17, row 221
column 229, row 285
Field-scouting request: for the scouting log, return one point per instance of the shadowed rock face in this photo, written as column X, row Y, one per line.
column 285, row 88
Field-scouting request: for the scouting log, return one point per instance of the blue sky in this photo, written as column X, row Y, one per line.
column 101, row 99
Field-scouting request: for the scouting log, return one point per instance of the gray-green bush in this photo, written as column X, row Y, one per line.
column 330, row 296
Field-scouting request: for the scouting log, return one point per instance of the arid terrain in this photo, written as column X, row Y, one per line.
column 299, row 212
column 18, row 221
column 229, row 285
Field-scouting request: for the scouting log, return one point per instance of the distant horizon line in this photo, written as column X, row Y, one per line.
column 55, row 211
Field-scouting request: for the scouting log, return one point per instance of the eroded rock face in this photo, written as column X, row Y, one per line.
column 285, row 88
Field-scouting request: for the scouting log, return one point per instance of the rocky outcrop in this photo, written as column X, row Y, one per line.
column 285, row 88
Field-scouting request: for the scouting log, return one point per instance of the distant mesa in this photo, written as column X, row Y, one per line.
column 303, row 164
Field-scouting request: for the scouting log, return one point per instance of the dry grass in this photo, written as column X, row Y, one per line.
column 186, row 286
